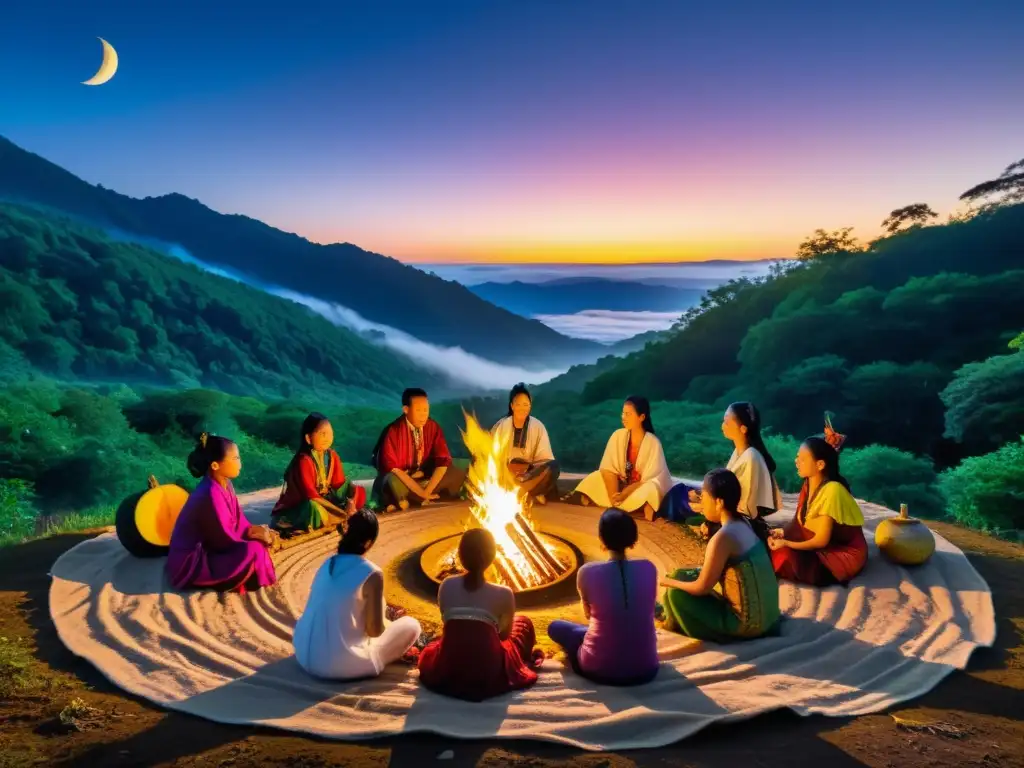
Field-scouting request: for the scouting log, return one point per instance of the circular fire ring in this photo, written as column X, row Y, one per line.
column 433, row 557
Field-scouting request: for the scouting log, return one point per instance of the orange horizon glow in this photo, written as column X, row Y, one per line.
column 626, row 253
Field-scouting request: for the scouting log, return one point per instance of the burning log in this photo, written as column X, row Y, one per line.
column 532, row 555
column 528, row 532
column 508, row 575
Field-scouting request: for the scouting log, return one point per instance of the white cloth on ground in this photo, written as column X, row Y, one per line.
column 330, row 637
column 650, row 463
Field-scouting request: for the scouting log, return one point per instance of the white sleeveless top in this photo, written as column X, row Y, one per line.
column 330, row 636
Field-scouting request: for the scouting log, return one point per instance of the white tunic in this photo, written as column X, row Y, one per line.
column 538, row 445
column 330, row 636
column 655, row 478
column 757, row 486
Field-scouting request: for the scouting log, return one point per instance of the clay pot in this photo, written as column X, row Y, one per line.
column 904, row 540
column 144, row 520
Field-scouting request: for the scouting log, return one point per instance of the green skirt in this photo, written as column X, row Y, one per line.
column 310, row 515
column 746, row 606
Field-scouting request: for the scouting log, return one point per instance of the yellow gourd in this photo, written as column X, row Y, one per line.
column 145, row 520
column 904, row 540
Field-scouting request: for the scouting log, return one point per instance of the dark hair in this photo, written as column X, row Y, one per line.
column 209, row 448
column 410, row 393
column 518, row 389
column 477, row 551
column 642, row 408
column 309, row 425
column 724, row 486
column 822, row 451
column 618, row 532
column 747, row 415
column 362, row 529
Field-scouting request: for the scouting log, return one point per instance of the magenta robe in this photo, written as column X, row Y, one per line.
column 208, row 546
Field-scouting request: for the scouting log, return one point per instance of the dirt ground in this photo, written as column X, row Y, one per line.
column 971, row 719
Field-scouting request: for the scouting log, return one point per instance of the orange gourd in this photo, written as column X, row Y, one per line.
column 145, row 520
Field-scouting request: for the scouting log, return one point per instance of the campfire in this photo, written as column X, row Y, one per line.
column 527, row 559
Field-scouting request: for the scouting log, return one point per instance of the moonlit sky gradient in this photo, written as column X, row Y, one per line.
column 529, row 130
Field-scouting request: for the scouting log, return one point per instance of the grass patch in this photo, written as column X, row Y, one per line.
column 96, row 517
column 18, row 673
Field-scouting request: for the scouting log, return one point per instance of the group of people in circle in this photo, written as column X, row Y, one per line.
column 348, row 632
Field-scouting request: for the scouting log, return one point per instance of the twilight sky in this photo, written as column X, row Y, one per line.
column 528, row 130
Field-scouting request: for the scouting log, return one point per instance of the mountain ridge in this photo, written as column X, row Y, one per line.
column 432, row 309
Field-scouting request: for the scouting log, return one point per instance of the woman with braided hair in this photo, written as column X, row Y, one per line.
column 824, row 543
column 213, row 545
column 734, row 595
column 619, row 645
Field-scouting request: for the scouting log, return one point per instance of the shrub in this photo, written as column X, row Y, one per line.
column 987, row 491
column 783, row 449
column 17, row 513
column 888, row 476
column 985, row 403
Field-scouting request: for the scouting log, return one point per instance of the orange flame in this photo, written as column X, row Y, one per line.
column 497, row 504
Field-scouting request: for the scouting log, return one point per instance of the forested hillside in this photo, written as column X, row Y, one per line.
column 876, row 335
column 77, row 305
column 379, row 288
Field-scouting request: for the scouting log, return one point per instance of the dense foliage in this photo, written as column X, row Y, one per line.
column 875, row 334
column 67, row 448
column 430, row 308
column 75, row 304
column 906, row 339
column 72, row 447
column 987, row 492
column 985, row 403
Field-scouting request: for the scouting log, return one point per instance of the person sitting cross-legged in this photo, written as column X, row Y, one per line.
column 343, row 634
column 735, row 594
column 412, row 459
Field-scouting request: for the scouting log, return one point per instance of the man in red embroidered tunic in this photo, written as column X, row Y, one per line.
column 412, row 459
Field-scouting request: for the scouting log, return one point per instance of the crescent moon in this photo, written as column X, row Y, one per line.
column 107, row 68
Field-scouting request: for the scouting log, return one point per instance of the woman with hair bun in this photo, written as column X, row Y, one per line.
column 213, row 545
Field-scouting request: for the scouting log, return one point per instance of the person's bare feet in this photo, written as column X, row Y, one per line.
column 541, row 500
column 585, row 500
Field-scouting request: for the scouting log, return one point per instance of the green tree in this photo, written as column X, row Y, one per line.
column 888, row 476
column 886, row 402
column 985, row 403
column 915, row 215
column 1005, row 189
column 823, row 243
